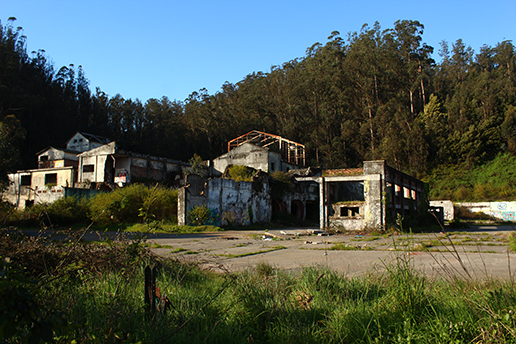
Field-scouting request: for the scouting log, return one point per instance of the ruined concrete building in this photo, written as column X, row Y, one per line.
column 261, row 151
column 369, row 197
column 87, row 164
column 349, row 199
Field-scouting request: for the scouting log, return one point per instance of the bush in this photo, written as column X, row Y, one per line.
column 68, row 210
column 198, row 215
column 240, row 173
column 161, row 204
column 282, row 177
column 133, row 204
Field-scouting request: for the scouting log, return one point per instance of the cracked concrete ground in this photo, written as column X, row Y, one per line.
column 480, row 252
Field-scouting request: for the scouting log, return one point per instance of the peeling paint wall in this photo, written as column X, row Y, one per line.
column 355, row 199
column 353, row 211
column 448, row 209
column 253, row 156
column 38, row 186
column 229, row 202
column 301, row 200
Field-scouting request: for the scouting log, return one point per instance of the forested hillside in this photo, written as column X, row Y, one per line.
column 374, row 94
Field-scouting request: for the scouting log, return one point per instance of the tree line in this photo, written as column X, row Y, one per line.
column 375, row 94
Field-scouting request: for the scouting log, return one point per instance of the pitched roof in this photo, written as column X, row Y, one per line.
column 92, row 138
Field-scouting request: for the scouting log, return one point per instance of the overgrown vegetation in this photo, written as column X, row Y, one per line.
column 90, row 293
column 132, row 204
column 240, row 173
column 492, row 181
column 375, row 93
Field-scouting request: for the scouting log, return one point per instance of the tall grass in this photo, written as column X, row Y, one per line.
column 96, row 295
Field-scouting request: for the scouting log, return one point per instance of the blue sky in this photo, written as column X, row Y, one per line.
column 149, row 49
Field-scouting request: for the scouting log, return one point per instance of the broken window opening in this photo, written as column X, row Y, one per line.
column 51, row 179
column 346, row 192
column 349, row 211
column 26, row 181
column 88, row 168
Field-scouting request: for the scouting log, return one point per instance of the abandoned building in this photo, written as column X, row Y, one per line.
column 85, row 166
column 261, row 151
column 350, row 199
column 368, row 197
column 109, row 165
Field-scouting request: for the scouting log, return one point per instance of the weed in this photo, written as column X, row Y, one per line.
column 342, row 247
column 275, row 248
column 512, row 242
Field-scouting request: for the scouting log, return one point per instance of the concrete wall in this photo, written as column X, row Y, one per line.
column 253, row 156
column 114, row 166
column 356, row 199
column 505, row 211
column 448, row 209
column 97, row 158
column 37, row 191
column 80, row 143
column 228, row 202
column 247, row 155
column 57, row 154
column 300, row 199
column 358, row 214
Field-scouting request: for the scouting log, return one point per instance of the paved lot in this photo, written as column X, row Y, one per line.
column 481, row 252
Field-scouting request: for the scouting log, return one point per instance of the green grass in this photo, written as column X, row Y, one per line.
column 275, row 248
column 94, row 294
column 372, row 238
column 339, row 246
column 170, row 228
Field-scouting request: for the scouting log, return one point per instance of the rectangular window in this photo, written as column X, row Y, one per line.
column 43, row 158
column 349, row 211
column 51, row 178
column 88, row 168
column 26, row 180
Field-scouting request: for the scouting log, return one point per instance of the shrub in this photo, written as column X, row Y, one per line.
column 198, row 215
column 462, row 193
column 240, row 173
column 120, row 206
column 161, row 204
column 68, row 210
column 282, row 177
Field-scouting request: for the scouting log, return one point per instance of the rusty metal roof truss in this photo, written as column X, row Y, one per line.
column 291, row 151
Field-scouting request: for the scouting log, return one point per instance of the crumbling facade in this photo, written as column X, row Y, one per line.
column 368, row 198
column 261, row 151
column 86, row 164
column 228, row 202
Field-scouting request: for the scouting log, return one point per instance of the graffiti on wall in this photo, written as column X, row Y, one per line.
column 203, row 216
column 236, row 217
column 505, row 211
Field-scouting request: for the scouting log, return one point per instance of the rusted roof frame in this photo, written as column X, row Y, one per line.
column 265, row 139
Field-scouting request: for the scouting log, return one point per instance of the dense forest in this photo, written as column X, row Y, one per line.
column 375, row 94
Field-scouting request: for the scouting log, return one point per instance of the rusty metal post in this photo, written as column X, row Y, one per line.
column 150, row 289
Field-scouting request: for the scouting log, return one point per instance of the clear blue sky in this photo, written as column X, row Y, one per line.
column 149, row 49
